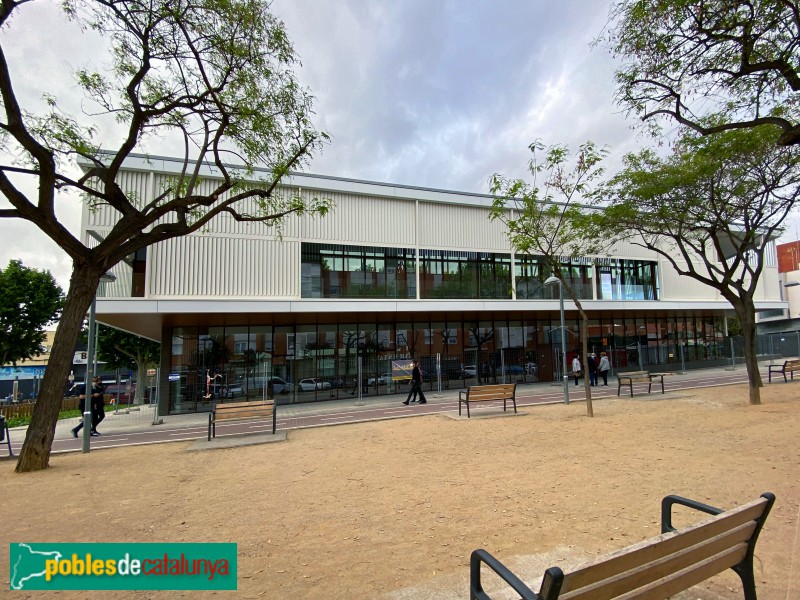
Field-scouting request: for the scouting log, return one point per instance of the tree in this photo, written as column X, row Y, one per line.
column 217, row 75
column 122, row 350
column 29, row 301
column 544, row 217
column 711, row 65
column 710, row 209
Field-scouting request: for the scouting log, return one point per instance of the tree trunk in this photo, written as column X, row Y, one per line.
column 35, row 453
column 747, row 318
column 141, row 379
column 585, row 351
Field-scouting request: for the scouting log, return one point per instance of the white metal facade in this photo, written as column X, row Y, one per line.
column 232, row 265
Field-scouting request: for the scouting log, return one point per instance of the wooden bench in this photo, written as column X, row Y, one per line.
column 789, row 366
column 656, row 568
column 484, row 393
column 240, row 411
column 632, row 377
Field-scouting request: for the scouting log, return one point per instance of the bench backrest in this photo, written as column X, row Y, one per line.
column 491, row 392
column 241, row 410
column 792, row 364
column 667, row 564
column 634, row 374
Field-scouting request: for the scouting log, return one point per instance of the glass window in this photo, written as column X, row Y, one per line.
column 621, row 279
column 471, row 275
column 334, row 271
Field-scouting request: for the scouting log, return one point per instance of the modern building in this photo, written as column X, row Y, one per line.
column 786, row 319
column 392, row 272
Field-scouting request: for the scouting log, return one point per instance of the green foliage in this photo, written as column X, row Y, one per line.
column 214, row 75
column 30, row 300
column 122, row 350
column 712, row 65
column 545, row 217
column 735, row 326
column 713, row 193
column 711, row 209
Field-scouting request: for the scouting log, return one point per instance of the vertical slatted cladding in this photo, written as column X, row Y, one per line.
column 206, row 266
column 460, row 227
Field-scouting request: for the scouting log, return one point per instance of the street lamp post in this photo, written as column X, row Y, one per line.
column 90, row 367
column 552, row 280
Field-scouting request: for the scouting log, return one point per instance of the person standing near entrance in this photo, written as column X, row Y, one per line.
column 576, row 368
column 604, row 367
column 592, row 369
column 416, row 385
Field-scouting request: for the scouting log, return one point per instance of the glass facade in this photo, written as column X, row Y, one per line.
column 331, row 358
column 325, row 361
column 465, row 275
column 619, row 279
column 338, row 271
column 335, row 271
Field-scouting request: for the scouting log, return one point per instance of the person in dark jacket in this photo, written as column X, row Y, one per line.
column 96, row 404
column 592, row 369
column 416, row 386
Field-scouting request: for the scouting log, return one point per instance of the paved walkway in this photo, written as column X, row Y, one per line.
column 142, row 427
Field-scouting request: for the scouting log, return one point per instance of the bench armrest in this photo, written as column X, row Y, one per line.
column 461, row 395
column 476, row 589
column 669, row 501
column 776, row 367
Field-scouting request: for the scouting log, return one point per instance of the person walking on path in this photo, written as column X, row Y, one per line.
column 416, row 386
column 604, row 367
column 576, row 368
column 96, row 405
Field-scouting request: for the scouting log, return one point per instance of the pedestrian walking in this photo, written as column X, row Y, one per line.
column 416, row 385
column 576, row 368
column 96, row 404
column 604, row 367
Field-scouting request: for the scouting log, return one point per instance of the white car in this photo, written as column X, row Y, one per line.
column 384, row 379
column 470, row 371
column 311, row 384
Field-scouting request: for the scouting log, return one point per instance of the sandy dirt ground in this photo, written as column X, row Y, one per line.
column 392, row 509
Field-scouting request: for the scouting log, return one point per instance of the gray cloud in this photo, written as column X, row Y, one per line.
column 437, row 94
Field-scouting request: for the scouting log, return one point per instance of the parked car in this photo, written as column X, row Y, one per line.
column 469, row 371
column 126, row 395
column 256, row 385
column 311, row 384
column 514, row 370
column 384, row 379
column 232, row 391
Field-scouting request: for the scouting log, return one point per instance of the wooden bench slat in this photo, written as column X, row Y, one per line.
column 243, row 414
column 652, row 572
column 662, row 545
column 230, row 405
column 683, row 580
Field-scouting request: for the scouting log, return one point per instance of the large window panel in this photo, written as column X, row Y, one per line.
column 465, row 275
column 621, row 279
column 337, row 271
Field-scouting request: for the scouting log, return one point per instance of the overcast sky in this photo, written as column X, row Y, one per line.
column 417, row 92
